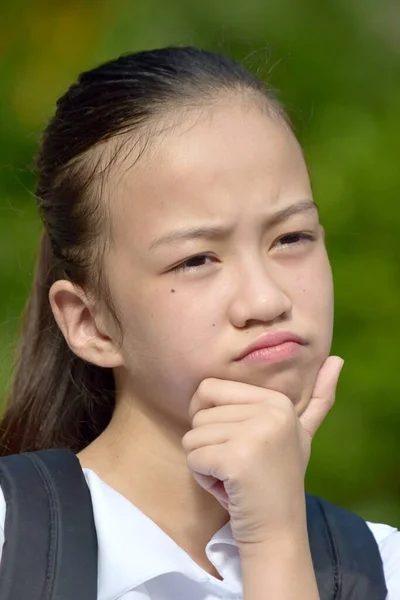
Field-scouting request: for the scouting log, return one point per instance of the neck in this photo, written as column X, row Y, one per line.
column 143, row 459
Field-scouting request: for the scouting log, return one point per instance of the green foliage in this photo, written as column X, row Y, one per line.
column 337, row 64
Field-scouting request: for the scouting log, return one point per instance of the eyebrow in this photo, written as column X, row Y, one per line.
column 220, row 232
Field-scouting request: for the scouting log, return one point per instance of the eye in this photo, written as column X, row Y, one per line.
column 193, row 264
column 294, row 239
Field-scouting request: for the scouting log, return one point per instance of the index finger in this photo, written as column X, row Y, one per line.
column 218, row 392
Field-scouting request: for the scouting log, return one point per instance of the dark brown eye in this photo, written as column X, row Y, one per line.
column 193, row 264
column 291, row 239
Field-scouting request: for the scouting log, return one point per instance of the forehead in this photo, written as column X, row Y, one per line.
column 220, row 163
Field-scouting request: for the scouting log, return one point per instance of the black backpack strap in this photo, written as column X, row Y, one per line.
column 50, row 549
column 346, row 557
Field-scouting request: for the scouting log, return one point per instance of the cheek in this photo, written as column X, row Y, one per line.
column 168, row 341
column 170, row 321
column 312, row 293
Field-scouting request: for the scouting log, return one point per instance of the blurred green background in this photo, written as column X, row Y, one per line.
column 337, row 64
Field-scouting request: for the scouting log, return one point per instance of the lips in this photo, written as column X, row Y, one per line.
column 272, row 340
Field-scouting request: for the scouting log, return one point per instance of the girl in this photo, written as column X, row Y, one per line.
column 178, row 331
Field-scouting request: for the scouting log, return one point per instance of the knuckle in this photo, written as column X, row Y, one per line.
column 187, row 441
column 193, row 460
column 276, row 421
column 283, row 402
column 199, row 418
column 202, row 396
column 204, row 389
column 284, row 420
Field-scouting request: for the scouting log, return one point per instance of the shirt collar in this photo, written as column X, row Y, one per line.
column 132, row 549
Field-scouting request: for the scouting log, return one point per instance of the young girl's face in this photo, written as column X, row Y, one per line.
column 216, row 243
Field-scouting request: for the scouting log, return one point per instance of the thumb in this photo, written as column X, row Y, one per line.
column 323, row 396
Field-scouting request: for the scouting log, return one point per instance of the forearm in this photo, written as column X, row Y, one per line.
column 279, row 570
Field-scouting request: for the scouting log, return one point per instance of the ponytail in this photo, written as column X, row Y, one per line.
column 57, row 400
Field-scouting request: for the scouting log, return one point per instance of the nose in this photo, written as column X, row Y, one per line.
column 258, row 297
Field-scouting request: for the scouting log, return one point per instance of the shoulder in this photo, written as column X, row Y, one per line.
column 388, row 540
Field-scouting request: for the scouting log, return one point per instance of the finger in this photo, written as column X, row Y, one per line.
column 208, row 435
column 323, row 396
column 217, row 392
column 213, row 486
column 206, row 461
column 325, row 385
column 235, row 413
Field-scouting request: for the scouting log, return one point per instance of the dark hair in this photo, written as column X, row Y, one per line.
column 57, row 399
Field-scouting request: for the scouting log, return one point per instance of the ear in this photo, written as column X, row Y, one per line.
column 76, row 317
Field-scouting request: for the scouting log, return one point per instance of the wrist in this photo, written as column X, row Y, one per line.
column 282, row 543
column 279, row 569
column 286, row 532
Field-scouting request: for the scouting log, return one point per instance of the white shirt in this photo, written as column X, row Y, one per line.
column 138, row 561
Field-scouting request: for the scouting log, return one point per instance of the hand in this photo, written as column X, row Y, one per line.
column 250, row 450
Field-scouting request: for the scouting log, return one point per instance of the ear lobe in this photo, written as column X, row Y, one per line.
column 75, row 316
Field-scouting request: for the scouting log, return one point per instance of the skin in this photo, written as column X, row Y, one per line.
column 231, row 164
